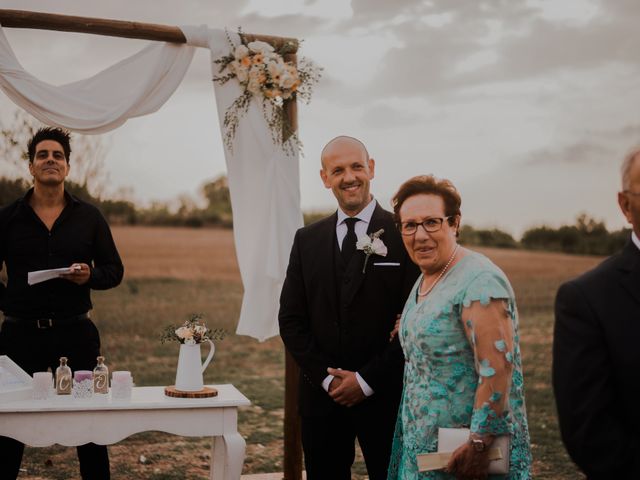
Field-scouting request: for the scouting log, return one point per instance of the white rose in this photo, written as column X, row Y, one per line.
column 184, row 332
column 363, row 242
column 241, row 52
column 255, row 73
column 261, row 47
column 276, row 69
column 287, row 80
column 379, row 247
column 241, row 71
column 254, row 86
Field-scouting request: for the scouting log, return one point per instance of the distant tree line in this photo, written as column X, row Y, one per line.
column 586, row 237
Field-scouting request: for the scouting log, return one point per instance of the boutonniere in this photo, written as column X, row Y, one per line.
column 370, row 245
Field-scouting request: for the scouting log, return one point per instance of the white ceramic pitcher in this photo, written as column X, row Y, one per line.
column 191, row 368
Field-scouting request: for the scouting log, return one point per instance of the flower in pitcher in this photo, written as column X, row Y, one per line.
column 191, row 332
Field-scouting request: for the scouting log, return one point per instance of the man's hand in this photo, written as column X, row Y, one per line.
column 335, row 383
column 80, row 273
column 348, row 392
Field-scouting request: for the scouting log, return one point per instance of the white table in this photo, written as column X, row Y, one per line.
column 68, row 421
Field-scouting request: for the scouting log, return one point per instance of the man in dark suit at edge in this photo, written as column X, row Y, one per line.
column 337, row 309
column 596, row 353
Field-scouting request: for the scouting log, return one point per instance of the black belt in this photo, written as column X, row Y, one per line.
column 46, row 322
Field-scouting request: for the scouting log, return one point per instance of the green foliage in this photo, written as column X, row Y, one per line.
column 11, row 189
column 486, row 238
column 218, row 210
column 587, row 237
column 312, row 217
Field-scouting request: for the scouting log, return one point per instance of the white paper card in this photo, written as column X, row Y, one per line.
column 43, row 275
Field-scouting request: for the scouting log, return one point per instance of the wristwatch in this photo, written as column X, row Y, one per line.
column 478, row 444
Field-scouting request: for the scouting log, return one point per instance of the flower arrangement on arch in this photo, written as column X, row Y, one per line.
column 191, row 332
column 265, row 75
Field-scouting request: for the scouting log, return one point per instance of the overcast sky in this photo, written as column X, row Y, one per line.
column 527, row 106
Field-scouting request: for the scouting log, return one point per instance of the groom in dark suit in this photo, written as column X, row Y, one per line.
column 337, row 308
column 596, row 353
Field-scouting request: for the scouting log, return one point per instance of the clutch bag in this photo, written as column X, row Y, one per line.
column 449, row 439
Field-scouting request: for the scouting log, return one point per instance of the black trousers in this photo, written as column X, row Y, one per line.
column 35, row 350
column 328, row 441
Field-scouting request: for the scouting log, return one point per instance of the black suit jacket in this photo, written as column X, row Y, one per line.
column 596, row 367
column 324, row 324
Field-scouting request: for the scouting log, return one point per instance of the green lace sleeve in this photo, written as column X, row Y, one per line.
column 487, row 318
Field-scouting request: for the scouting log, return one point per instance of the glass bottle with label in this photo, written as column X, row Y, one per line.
column 101, row 377
column 63, row 378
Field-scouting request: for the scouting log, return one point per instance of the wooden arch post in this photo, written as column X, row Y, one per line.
column 165, row 33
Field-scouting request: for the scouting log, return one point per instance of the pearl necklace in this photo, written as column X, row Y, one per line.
column 455, row 250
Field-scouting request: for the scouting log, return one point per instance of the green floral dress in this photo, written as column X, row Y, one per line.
column 462, row 368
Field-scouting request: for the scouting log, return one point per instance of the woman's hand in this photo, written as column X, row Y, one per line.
column 396, row 327
column 467, row 463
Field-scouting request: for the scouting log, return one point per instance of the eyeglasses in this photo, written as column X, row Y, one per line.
column 430, row 225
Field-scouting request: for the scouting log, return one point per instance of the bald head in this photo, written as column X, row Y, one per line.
column 629, row 161
column 347, row 171
column 629, row 197
column 343, row 145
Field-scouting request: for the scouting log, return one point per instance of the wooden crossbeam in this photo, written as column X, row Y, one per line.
column 115, row 28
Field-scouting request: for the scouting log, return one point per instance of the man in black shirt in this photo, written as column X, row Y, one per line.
column 49, row 228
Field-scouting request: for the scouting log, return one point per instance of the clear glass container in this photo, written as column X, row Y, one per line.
column 63, row 378
column 101, row 378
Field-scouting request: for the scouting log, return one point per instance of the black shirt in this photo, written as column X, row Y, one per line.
column 79, row 235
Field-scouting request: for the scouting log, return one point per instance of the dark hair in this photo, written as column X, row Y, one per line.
column 50, row 133
column 428, row 185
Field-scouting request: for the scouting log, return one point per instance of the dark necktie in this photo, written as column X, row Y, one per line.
column 350, row 239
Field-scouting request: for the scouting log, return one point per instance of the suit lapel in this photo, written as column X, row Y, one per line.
column 378, row 221
column 630, row 266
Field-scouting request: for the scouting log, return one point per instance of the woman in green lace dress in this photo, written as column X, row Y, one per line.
column 459, row 333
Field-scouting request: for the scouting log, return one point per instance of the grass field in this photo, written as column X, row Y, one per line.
column 171, row 273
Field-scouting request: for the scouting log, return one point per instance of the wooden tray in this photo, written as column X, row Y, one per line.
column 206, row 392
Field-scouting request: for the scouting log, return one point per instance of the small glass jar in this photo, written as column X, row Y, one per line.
column 101, row 378
column 63, row 378
column 42, row 385
column 121, row 385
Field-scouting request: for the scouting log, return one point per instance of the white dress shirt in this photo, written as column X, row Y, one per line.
column 361, row 226
column 635, row 239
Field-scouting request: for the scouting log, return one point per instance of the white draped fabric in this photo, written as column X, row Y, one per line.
column 264, row 183
column 100, row 103
column 263, row 180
